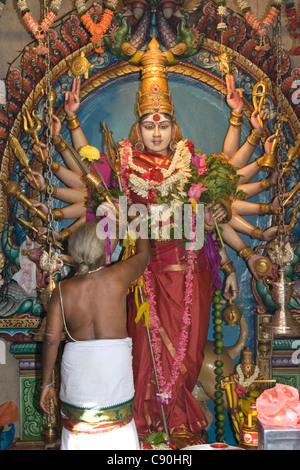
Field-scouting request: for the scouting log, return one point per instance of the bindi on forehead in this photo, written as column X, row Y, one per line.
column 156, row 117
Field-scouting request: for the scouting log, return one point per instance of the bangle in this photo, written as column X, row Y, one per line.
column 65, row 234
column 73, row 122
column 55, row 166
column 228, row 267
column 59, row 144
column 265, row 209
column 246, row 252
column 209, row 228
column 46, row 386
column 57, row 214
column 257, row 234
column 236, row 119
column 253, row 138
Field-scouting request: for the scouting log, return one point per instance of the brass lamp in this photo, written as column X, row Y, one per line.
column 283, row 323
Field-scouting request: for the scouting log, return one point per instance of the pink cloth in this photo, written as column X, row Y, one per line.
column 279, row 406
column 102, row 167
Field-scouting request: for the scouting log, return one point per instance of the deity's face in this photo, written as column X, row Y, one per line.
column 248, row 369
column 156, row 133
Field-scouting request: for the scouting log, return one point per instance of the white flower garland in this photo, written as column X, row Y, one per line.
column 178, row 172
column 22, row 5
column 246, row 382
column 81, row 6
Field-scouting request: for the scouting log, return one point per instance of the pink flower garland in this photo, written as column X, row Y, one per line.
column 165, row 388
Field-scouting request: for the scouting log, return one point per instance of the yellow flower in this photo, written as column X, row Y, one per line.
column 194, row 205
column 89, row 152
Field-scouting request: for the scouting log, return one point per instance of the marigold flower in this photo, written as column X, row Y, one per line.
column 89, row 153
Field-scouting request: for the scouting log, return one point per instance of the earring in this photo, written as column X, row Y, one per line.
column 173, row 145
column 139, row 146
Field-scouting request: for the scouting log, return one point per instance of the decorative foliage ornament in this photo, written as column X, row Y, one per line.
column 39, row 30
column 261, row 27
column 97, row 30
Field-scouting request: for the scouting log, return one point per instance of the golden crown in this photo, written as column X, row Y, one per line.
column 154, row 96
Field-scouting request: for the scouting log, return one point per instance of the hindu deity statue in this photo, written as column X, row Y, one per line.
column 156, row 166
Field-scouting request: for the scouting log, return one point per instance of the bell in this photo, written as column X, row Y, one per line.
column 232, row 314
column 283, row 323
column 267, row 162
column 49, row 433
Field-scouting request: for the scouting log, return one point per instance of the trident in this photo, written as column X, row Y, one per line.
column 32, row 128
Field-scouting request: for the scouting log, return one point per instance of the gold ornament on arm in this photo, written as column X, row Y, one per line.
column 236, row 119
column 254, row 138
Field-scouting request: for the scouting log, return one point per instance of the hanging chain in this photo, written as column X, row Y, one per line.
column 281, row 147
column 49, row 145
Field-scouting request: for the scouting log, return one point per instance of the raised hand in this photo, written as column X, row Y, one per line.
column 72, row 99
column 234, row 95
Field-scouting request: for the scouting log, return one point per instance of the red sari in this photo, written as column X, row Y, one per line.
column 167, row 273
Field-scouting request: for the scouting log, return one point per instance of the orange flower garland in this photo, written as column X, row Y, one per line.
column 261, row 27
column 39, row 30
column 97, row 30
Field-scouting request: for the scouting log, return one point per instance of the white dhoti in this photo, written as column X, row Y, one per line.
column 97, row 395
